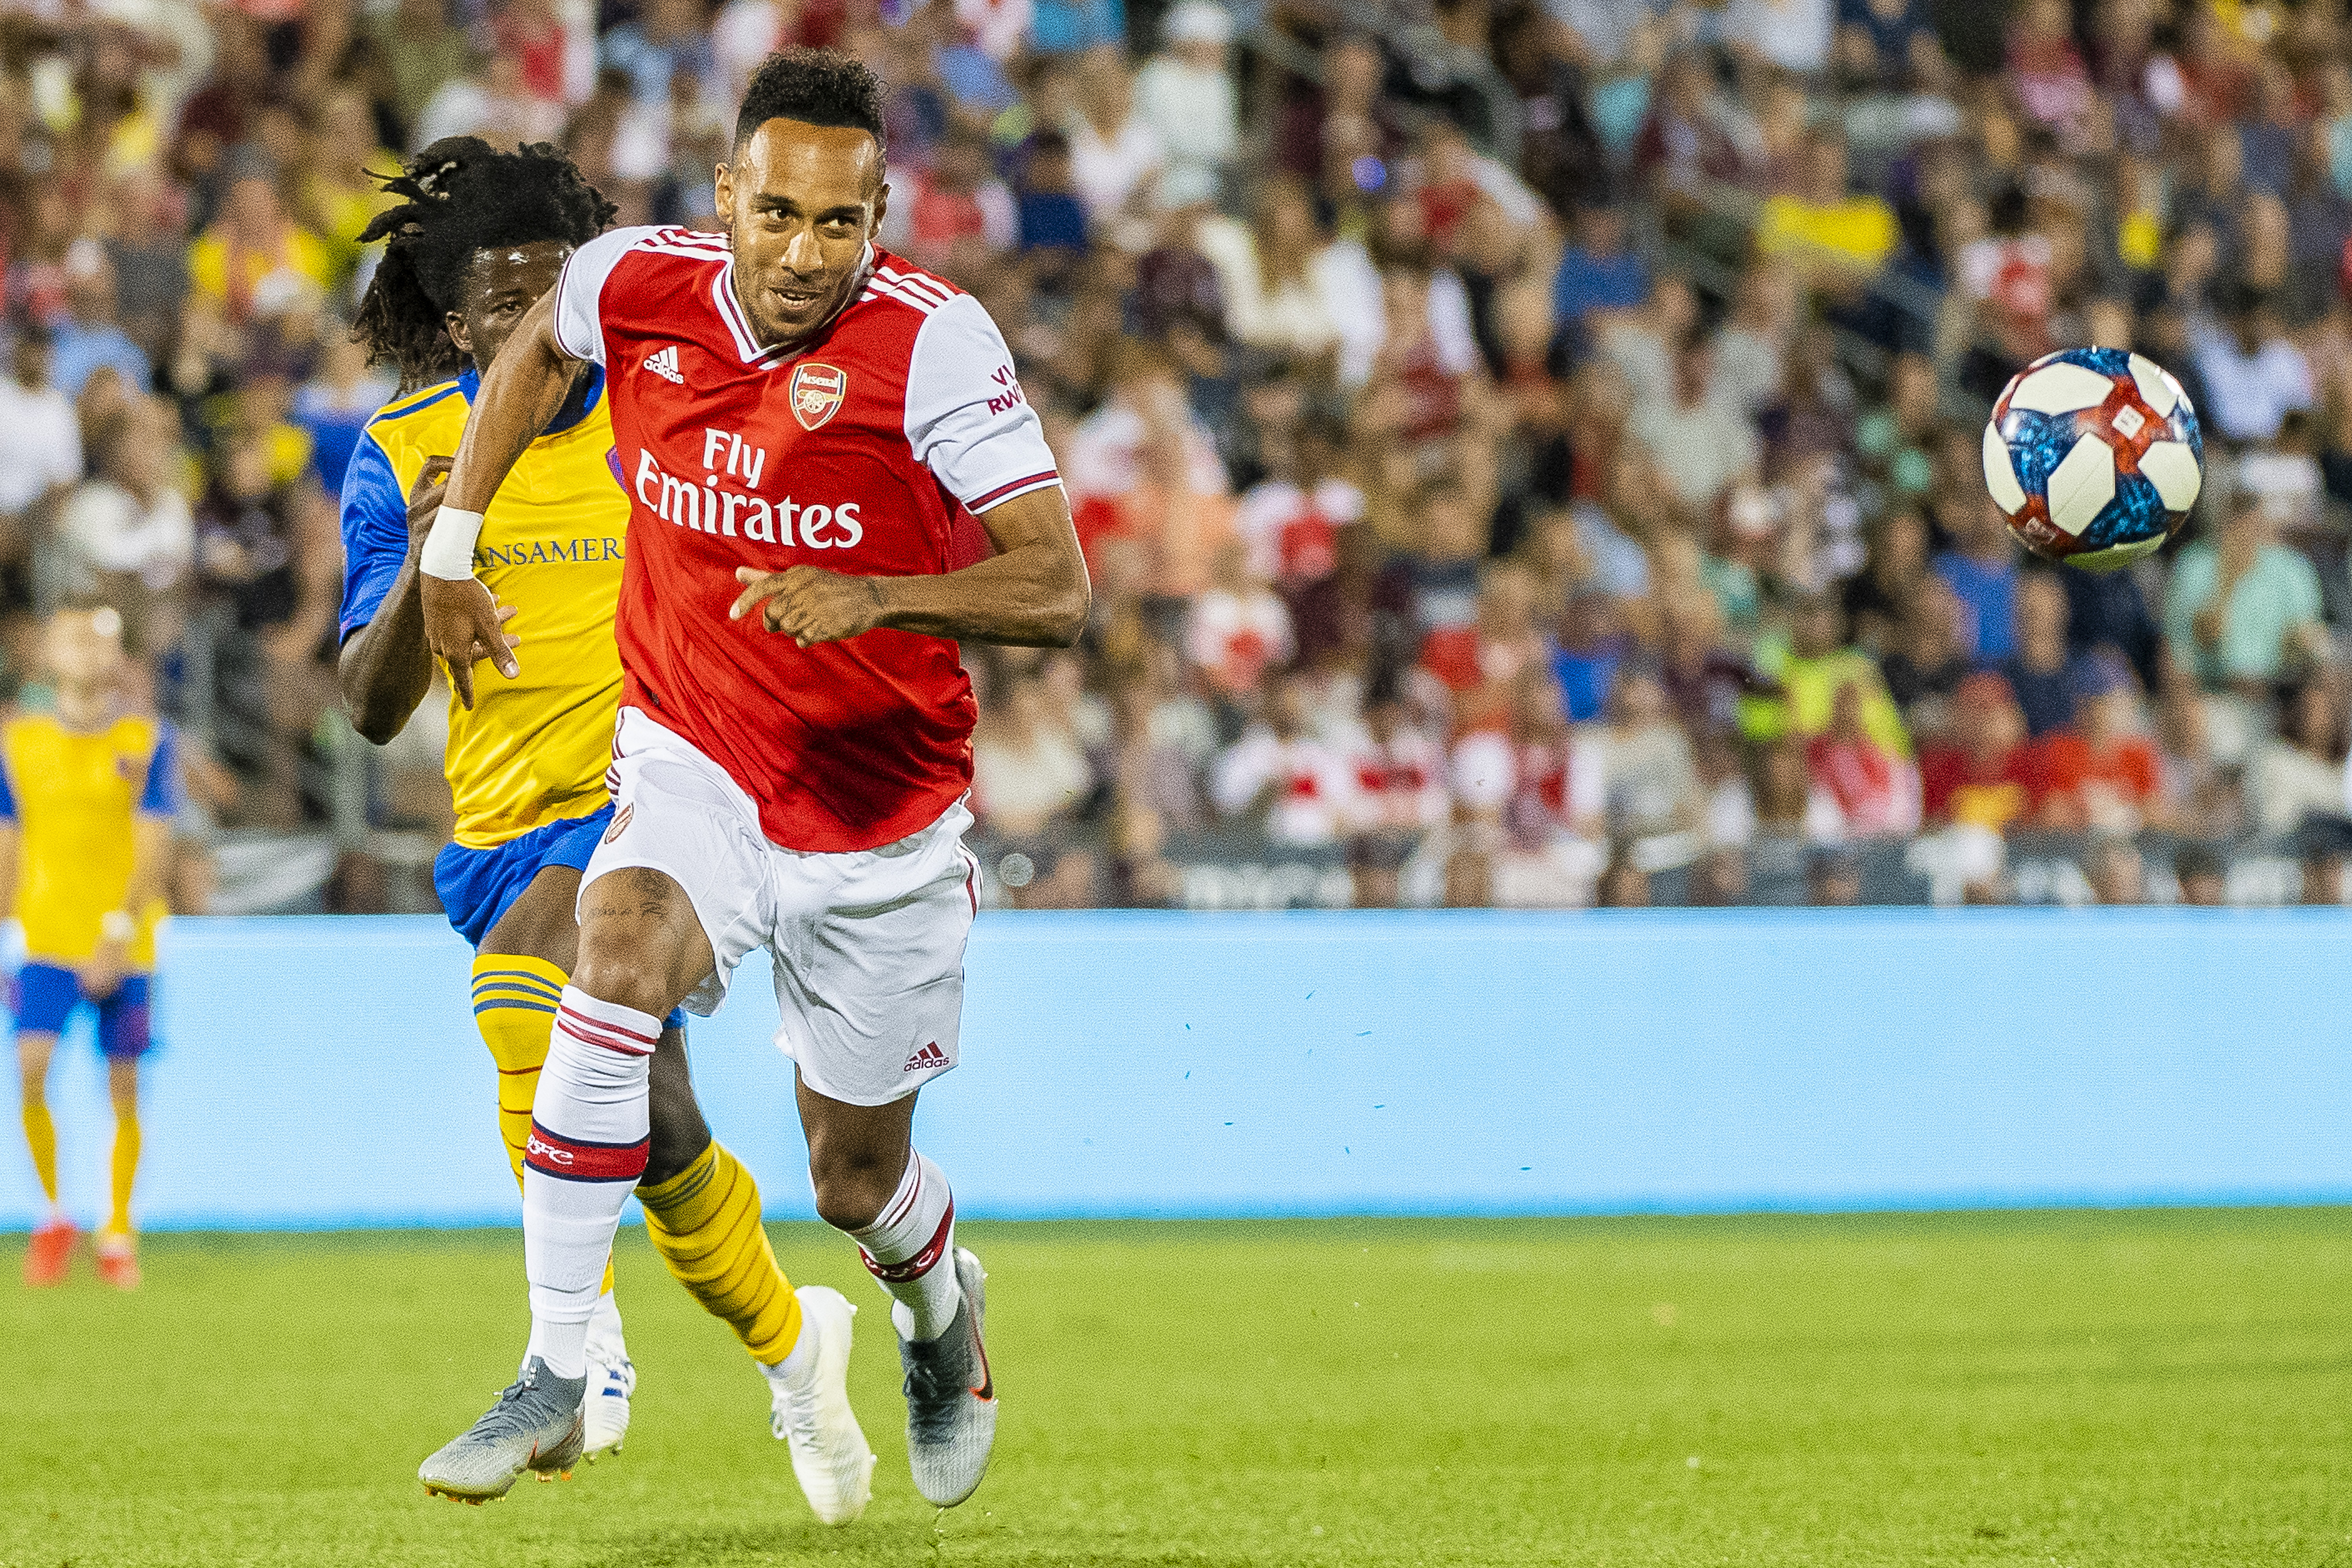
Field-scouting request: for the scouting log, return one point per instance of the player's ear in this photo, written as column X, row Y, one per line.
column 881, row 205
column 722, row 196
column 456, row 323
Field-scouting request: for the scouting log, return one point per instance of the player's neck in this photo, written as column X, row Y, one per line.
column 797, row 340
column 87, row 710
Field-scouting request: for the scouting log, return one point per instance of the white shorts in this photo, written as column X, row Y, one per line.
column 867, row 944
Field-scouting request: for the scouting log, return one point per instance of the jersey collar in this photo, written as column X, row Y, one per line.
column 469, row 382
column 739, row 327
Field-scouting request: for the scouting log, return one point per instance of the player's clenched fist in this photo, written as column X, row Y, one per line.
column 464, row 625
column 808, row 603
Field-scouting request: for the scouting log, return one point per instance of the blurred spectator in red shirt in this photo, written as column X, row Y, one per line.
column 1302, row 788
column 2045, row 67
column 1877, row 791
column 955, row 212
column 1399, row 770
column 2101, row 773
column 1983, row 776
column 1292, row 517
column 1480, row 663
column 1238, row 628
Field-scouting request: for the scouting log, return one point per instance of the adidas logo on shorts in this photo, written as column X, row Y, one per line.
column 931, row 1056
column 663, row 363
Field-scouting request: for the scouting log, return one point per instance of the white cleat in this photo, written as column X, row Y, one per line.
column 612, row 1378
column 831, row 1458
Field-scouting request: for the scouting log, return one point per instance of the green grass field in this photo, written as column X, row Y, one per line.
column 2074, row 1388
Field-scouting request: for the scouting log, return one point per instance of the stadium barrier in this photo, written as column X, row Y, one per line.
column 325, row 1073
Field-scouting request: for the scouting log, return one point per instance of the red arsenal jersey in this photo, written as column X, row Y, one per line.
column 855, row 450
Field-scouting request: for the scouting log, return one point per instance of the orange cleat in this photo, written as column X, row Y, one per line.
column 118, row 1261
column 50, row 1250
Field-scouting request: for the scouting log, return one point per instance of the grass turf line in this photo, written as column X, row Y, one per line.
column 2086, row 1388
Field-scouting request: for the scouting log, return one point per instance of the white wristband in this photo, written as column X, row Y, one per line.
column 449, row 546
column 116, row 925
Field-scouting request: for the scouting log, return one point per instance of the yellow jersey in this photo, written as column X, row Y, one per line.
column 72, row 796
column 534, row 750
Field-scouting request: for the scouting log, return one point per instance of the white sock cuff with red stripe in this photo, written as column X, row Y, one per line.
column 590, row 1134
column 905, row 1245
column 608, row 1024
column 911, row 1234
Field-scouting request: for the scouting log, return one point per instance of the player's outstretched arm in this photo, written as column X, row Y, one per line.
column 1033, row 594
column 521, row 396
column 385, row 669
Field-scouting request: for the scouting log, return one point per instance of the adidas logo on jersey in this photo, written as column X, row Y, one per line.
column 663, row 363
column 931, row 1056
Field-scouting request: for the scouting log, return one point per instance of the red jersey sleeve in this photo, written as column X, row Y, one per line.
column 967, row 419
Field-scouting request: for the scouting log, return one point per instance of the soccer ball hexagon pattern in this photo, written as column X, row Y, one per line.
column 2093, row 455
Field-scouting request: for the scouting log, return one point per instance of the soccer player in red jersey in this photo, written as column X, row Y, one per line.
column 800, row 418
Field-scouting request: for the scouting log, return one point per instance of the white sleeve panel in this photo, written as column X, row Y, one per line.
column 967, row 419
column 579, row 292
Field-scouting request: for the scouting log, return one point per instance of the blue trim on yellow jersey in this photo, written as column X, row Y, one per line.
column 375, row 531
column 375, row 507
column 161, row 795
column 158, row 796
column 469, row 381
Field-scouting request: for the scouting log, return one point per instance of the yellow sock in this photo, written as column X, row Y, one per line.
column 126, row 1167
column 514, row 1009
column 705, row 1222
column 41, row 1137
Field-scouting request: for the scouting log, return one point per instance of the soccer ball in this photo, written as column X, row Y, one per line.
column 2094, row 456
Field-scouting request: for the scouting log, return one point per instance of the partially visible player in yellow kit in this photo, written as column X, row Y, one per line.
column 87, row 795
column 480, row 236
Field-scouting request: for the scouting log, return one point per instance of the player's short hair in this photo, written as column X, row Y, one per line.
column 462, row 196
column 815, row 87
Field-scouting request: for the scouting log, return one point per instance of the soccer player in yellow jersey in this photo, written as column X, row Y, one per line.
column 480, row 236
column 87, row 794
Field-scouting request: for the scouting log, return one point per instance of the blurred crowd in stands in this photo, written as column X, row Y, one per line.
column 1527, row 450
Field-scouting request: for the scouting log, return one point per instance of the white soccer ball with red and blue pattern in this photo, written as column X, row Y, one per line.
column 2093, row 455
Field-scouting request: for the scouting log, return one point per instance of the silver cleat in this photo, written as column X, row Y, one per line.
column 951, row 1397
column 537, row 1425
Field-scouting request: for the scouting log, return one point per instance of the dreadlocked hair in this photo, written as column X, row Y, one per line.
column 461, row 196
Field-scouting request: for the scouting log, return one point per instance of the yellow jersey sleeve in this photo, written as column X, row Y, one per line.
column 532, row 750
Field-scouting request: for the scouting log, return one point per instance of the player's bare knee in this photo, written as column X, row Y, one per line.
column 854, row 1184
column 640, row 943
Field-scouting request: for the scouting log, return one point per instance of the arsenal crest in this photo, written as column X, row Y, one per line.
column 816, row 393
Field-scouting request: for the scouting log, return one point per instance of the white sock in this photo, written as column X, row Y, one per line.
column 589, row 1137
column 796, row 1373
column 605, row 1328
column 910, row 1248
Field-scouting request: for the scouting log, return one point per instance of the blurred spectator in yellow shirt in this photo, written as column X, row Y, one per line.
column 253, row 243
column 1818, row 664
column 337, row 198
column 1831, row 234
